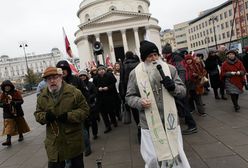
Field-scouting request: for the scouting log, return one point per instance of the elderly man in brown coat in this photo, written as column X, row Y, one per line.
column 63, row 108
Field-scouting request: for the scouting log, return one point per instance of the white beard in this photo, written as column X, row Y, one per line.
column 152, row 71
column 55, row 89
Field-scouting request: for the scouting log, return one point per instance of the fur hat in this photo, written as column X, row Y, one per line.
column 129, row 54
column 146, row 48
column 52, row 71
column 232, row 51
column 167, row 49
column 100, row 66
column 83, row 72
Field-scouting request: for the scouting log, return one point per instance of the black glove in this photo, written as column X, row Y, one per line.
column 62, row 117
column 168, row 83
column 50, row 117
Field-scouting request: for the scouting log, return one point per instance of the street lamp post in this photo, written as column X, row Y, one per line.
column 23, row 46
column 213, row 19
column 207, row 42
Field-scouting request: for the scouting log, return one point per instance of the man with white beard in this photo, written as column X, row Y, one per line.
column 153, row 95
column 63, row 108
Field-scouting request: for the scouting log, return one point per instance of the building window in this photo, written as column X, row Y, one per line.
column 87, row 17
column 112, row 8
column 227, row 25
column 230, row 12
column 225, row 15
column 227, row 34
column 222, row 26
column 219, row 37
column 140, row 9
column 223, row 35
column 241, row 8
column 221, row 16
column 212, row 39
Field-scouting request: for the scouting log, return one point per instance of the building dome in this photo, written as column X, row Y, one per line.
column 119, row 25
column 90, row 9
column 4, row 56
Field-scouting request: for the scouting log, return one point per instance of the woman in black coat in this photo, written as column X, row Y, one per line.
column 211, row 65
column 106, row 94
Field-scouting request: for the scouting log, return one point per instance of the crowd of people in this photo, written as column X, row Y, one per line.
column 160, row 90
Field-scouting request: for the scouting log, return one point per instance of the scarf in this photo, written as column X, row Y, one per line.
column 164, row 135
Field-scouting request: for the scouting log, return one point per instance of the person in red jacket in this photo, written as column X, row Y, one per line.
column 233, row 74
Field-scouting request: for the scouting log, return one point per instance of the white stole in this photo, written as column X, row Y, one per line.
column 165, row 141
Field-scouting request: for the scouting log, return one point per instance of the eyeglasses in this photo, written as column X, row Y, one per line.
column 54, row 78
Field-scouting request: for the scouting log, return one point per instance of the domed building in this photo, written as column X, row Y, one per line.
column 119, row 25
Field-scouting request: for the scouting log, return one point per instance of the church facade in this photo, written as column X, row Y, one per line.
column 119, row 25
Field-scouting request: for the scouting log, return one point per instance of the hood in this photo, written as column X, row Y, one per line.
column 64, row 65
column 133, row 59
column 7, row 83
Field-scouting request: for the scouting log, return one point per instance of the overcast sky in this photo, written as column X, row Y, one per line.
column 39, row 22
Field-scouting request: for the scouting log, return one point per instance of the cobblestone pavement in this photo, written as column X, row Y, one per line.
column 221, row 141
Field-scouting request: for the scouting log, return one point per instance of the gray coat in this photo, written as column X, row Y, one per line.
column 133, row 97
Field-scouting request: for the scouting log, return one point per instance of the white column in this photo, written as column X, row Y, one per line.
column 124, row 39
column 137, row 41
column 148, row 34
column 84, row 52
column 97, row 37
column 111, row 47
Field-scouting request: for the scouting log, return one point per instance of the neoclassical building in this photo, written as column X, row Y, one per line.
column 119, row 25
column 16, row 68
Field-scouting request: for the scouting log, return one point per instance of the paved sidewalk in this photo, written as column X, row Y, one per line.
column 221, row 142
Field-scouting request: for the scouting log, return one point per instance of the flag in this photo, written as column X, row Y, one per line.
column 67, row 44
column 108, row 62
column 73, row 68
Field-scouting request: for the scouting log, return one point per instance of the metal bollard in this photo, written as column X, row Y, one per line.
column 99, row 160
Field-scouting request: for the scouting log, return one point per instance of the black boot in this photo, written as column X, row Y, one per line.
column 216, row 95
column 108, row 129
column 20, row 138
column 8, row 141
column 236, row 108
column 223, row 97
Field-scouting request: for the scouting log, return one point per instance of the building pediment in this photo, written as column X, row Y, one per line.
column 114, row 16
